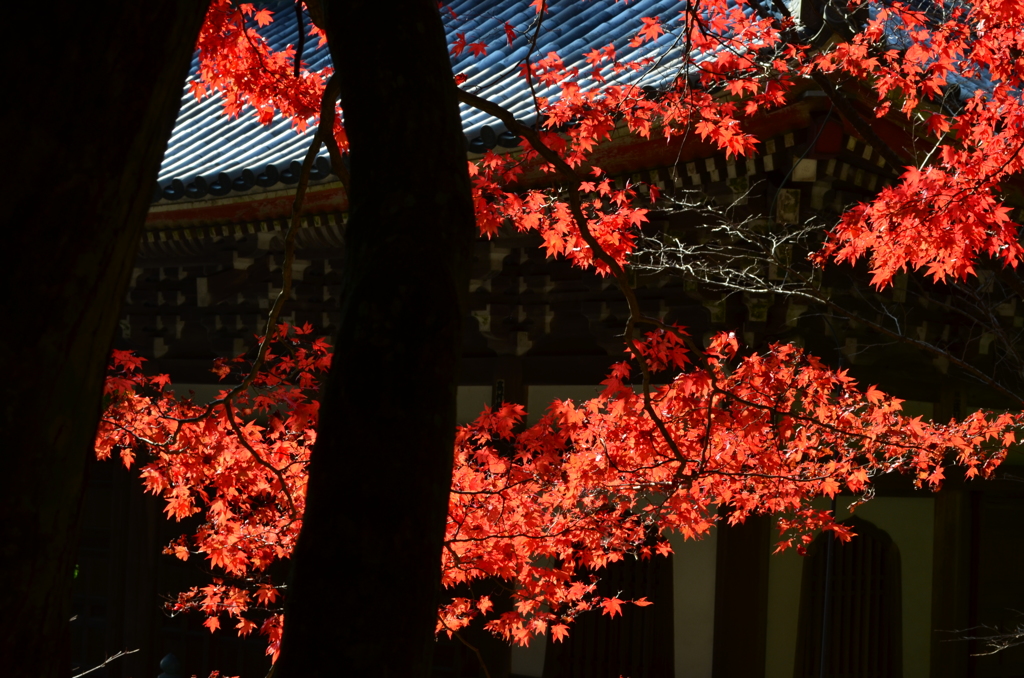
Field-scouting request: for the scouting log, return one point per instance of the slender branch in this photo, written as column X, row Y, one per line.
column 925, row 346
column 289, row 245
column 122, row 653
column 255, row 49
column 529, row 68
column 228, row 411
column 133, row 434
column 996, row 640
column 635, row 314
column 301, row 44
column 324, row 133
column 811, row 421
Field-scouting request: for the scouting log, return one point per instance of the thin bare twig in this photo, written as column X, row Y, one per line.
column 122, row 653
column 995, row 639
column 735, row 259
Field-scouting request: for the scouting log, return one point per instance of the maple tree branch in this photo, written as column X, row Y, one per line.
column 301, row 44
column 252, row 45
column 812, row 294
column 925, row 346
column 485, row 492
column 982, row 180
column 256, row 456
column 586, row 523
column 578, row 524
column 135, row 435
column 324, row 134
column 815, row 422
column 324, row 131
column 575, row 527
column 529, row 68
column 705, row 452
column 989, row 310
column 570, row 175
column 455, row 556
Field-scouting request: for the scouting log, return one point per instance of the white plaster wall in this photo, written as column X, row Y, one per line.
column 529, row 661
column 538, row 398
column 693, row 592
column 470, row 402
column 910, row 521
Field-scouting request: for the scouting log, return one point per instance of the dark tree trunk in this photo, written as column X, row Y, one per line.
column 364, row 589
column 92, row 93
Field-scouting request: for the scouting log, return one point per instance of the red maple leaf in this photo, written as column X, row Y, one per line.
column 160, row 380
column 245, row 626
column 651, row 30
column 459, row 45
column 263, row 16
column 612, row 606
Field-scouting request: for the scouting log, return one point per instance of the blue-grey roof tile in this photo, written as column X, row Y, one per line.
column 205, row 143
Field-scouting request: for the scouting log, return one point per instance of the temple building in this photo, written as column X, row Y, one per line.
column 927, row 571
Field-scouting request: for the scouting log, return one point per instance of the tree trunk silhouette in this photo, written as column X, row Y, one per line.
column 92, row 98
column 366, row 570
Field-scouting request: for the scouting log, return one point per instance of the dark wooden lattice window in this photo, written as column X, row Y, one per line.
column 638, row 644
column 863, row 636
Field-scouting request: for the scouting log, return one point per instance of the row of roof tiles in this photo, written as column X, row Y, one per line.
column 210, row 154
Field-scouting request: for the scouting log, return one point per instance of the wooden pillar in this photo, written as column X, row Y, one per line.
column 741, row 599
column 953, row 579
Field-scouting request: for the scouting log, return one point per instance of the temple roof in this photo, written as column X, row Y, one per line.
column 210, row 154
